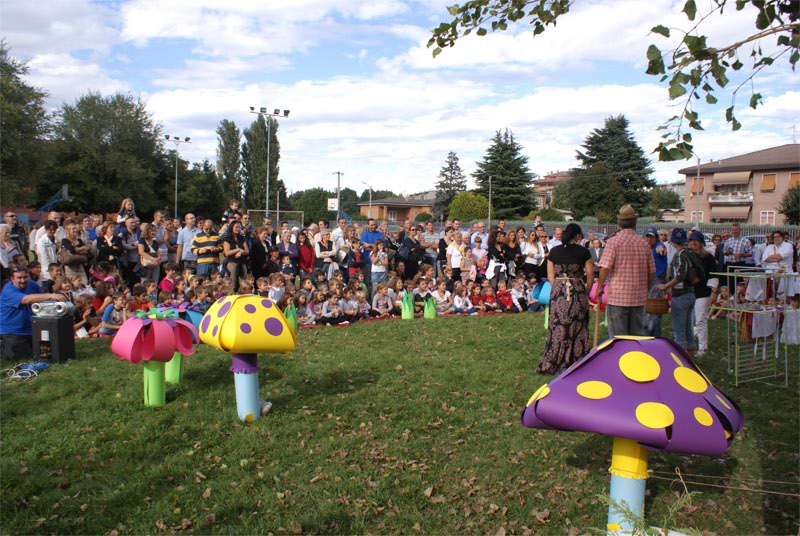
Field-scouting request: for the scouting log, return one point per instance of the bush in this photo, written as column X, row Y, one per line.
column 423, row 217
column 547, row 214
column 468, row 207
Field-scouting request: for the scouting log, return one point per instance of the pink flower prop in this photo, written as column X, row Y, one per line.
column 154, row 339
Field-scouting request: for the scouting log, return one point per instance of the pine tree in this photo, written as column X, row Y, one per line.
column 452, row 181
column 511, row 179
column 615, row 147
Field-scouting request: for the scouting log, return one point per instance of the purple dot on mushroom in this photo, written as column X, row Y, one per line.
column 245, row 327
column 214, row 331
column 266, row 303
column 222, row 299
column 250, row 308
column 224, row 310
column 273, row 326
column 206, row 322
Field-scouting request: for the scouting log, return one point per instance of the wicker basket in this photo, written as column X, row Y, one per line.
column 657, row 303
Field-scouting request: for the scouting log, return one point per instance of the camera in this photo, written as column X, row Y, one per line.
column 52, row 309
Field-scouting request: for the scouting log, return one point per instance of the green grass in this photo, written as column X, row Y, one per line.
column 383, row 427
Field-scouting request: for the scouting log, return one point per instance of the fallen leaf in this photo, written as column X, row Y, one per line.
column 542, row 516
column 207, row 493
column 501, row 532
column 428, row 492
column 417, row 527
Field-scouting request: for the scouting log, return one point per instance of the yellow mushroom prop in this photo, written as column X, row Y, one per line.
column 246, row 326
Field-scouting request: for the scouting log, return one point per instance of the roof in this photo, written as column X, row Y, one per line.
column 781, row 157
column 400, row 202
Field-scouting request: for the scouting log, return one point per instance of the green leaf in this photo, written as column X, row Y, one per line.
column 736, row 125
column 687, row 137
column 453, row 10
column 755, row 99
column 729, row 114
column 696, row 44
column 676, row 89
column 661, row 30
column 711, row 99
column 436, row 51
column 795, row 56
column 653, row 53
column 690, row 8
column 481, row 31
column 737, row 65
column 783, row 40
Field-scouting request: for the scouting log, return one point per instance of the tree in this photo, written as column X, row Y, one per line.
column 254, row 167
column 349, row 199
column 469, row 207
column 313, row 202
column 23, row 126
column 660, row 199
column 790, row 205
column 451, row 181
column 511, row 179
column 108, row 148
column 199, row 189
column 694, row 66
column 591, row 191
column 229, row 159
column 423, row 217
column 614, row 147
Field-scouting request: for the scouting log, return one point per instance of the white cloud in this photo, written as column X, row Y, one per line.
column 67, row 78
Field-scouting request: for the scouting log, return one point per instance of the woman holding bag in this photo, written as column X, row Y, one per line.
column 74, row 254
column 149, row 259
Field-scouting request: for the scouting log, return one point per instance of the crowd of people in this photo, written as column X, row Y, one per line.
column 339, row 274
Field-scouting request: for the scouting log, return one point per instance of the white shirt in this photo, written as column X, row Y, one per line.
column 534, row 249
column 784, row 250
column 47, row 252
column 337, row 236
column 61, row 234
column 553, row 243
column 455, row 255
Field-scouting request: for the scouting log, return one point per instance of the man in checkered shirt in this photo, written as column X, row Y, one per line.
column 628, row 262
column 738, row 252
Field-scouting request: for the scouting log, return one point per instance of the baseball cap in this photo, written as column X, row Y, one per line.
column 678, row 236
column 650, row 230
column 697, row 235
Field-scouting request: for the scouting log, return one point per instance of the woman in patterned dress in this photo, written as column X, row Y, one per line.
column 570, row 272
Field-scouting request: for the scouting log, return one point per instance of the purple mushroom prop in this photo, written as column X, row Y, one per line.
column 648, row 394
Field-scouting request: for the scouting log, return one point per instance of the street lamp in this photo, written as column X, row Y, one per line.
column 369, row 212
column 267, row 116
column 177, row 141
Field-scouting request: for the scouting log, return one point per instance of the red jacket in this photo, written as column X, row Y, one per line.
column 305, row 258
column 504, row 297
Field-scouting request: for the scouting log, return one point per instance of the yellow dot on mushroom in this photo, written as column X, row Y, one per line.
column 594, row 390
column 690, row 380
column 703, row 417
column 605, row 344
column 654, row 415
column 727, row 434
column 633, row 338
column 639, row 366
column 541, row 392
column 676, row 359
column 722, row 401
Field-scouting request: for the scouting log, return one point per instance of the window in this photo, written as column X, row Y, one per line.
column 370, row 213
column 698, row 185
column 393, row 215
column 767, row 217
column 768, row 182
column 794, row 180
column 696, row 216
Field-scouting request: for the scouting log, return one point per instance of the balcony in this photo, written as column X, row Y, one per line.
column 730, row 198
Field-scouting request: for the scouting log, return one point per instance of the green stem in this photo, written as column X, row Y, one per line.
column 155, row 388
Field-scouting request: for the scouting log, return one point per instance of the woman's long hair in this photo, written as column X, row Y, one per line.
column 127, row 200
column 570, row 232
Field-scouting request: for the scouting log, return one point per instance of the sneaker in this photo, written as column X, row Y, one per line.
column 345, row 323
column 266, row 405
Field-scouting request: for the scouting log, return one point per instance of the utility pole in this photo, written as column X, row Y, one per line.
column 489, row 222
column 338, row 192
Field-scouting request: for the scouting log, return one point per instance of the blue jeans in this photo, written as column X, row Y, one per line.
column 682, row 331
column 207, row 268
column 653, row 322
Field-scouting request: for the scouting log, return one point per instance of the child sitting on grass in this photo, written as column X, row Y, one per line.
column 116, row 315
column 305, row 317
column 364, row 310
column 381, row 302
column 461, row 302
column 277, row 282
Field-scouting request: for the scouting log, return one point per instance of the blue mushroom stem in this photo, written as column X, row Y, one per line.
column 628, row 482
column 245, row 376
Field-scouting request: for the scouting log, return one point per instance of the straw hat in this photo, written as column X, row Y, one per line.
column 627, row 213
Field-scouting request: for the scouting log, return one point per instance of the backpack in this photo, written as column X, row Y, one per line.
column 403, row 252
column 695, row 274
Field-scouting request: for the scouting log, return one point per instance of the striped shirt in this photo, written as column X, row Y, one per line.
column 629, row 260
column 204, row 246
column 739, row 245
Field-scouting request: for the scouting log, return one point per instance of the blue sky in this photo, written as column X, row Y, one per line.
column 366, row 98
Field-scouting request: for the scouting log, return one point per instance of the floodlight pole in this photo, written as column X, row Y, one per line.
column 338, row 192
column 177, row 141
column 267, row 116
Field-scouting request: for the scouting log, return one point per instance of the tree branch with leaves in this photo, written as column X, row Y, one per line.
column 693, row 67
